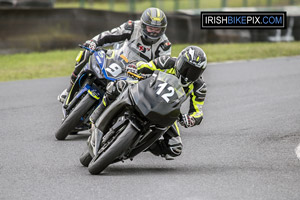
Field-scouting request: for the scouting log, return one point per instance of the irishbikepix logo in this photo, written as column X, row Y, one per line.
column 243, row 20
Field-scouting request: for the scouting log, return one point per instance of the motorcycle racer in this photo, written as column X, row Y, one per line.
column 142, row 39
column 188, row 67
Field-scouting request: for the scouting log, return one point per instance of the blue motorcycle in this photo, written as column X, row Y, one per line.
column 88, row 90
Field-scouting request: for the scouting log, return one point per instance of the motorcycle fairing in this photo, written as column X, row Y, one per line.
column 148, row 98
column 113, row 110
column 112, row 68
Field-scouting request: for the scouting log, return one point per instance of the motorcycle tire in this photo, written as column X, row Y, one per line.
column 85, row 158
column 73, row 119
column 113, row 151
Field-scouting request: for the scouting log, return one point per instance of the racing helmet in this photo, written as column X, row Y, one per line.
column 190, row 64
column 154, row 24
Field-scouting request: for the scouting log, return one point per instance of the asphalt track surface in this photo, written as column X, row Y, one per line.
column 244, row 149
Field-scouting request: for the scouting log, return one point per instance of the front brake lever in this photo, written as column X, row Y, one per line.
column 84, row 47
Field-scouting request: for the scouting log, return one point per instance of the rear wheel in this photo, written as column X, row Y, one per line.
column 112, row 150
column 85, row 158
column 73, row 119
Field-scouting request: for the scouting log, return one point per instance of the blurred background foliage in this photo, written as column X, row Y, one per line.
column 61, row 63
column 169, row 5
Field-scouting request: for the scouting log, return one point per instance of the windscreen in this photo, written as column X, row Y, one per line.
column 112, row 66
column 173, row 81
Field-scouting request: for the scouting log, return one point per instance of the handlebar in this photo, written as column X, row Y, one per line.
column 136, row 76
column 84, row 47
column 90, row 50
column 140, row 76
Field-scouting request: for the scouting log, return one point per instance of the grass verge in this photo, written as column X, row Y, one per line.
column 61, row 63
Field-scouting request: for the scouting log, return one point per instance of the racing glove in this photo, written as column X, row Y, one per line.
column 186, row 120
column 132, row 68
column 91, row 44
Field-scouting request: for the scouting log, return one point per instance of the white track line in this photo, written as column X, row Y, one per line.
column 297, row 151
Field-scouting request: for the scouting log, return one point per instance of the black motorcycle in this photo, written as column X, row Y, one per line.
column 140, row 115
column 89, row 88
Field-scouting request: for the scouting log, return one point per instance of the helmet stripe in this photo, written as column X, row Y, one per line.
column 154, row 17
column 186, row 55
column 158, row 13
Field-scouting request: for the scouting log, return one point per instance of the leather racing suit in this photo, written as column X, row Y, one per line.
column 172, row 143
column 133, row 46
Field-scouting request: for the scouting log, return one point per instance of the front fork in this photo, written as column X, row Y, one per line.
column 97, row 137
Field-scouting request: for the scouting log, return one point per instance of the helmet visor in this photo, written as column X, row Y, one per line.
column 153, row 31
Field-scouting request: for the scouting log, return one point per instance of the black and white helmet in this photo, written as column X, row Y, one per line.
column 190, row 64
column 154, row 24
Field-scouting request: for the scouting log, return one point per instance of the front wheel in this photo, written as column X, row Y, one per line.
column 114, row 149
column 73, row 119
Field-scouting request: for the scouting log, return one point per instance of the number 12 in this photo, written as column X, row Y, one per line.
column 166, row 95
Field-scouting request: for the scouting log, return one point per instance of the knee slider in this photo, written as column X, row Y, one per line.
column 175, row 150
column 175, row 146
column 121, row 85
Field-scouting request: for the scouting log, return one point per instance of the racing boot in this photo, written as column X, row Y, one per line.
column 61, row 98
column 167, row 148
